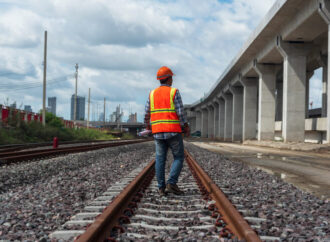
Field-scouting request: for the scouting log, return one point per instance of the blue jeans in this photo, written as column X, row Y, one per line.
column 162, row 145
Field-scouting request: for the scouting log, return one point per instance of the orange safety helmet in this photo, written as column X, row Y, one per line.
column 164, row 72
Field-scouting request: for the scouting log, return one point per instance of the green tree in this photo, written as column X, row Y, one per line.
column 53, row 121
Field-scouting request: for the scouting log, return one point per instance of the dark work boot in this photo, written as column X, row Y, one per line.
column 162, row 192
column 174, row 189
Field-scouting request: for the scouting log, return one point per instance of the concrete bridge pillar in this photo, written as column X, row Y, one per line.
column 325, row 14
column 250, row 108
column 266, row 115
column 237, row 126
column 328, row 77
column 204, row 131
column 210, row 125
column 279, row 97
column 216, row 118
column 198, row 120
column 221, row 133
column 192, row 123
column 324, row 90
column 294, row 89
column 228, row 117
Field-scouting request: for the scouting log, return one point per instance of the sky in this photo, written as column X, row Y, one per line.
column 119, row 46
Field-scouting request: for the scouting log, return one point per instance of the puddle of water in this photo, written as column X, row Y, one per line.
column 280, row 175
column 314, row 186
column 259, row 155
column 264, row 161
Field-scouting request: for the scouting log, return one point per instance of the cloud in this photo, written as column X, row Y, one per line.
column 102, row 22
column 119, row 46
column 19, row 28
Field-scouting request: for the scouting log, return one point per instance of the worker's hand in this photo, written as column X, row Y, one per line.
column 186, row 130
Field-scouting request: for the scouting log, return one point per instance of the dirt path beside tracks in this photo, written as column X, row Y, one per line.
column 309, row 171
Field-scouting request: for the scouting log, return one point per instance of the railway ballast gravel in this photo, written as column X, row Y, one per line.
column 38, row 197
column 292, row 215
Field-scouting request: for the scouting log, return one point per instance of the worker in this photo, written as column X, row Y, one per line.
column 164, row 116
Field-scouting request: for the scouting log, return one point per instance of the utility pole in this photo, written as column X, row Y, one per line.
column 97, row 112
column 89, row 102
column 75, row 95
column 104, row 112
column 44, row 83
column 92, row 112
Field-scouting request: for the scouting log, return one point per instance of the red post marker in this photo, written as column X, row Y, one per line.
column 55, row 142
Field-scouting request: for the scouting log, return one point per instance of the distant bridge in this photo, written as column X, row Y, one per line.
column 133, row 127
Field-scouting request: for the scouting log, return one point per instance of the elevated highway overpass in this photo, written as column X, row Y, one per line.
column 263, row 93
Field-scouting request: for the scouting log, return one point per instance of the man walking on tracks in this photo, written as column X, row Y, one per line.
column 164, row 111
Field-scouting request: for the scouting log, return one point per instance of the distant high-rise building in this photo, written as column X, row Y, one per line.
column 52, row 105
column 117, row 115
column 101, row 117
column 13, row 105
column 113, row 117
column 80, row 108
column 132, row 118
column 28, row 108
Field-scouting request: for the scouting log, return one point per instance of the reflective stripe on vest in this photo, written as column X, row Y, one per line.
column 162, row 109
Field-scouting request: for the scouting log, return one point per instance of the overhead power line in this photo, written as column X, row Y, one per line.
column 29, row 85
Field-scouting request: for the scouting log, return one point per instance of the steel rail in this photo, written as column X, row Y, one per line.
column 101, row 228
column 11, row 148
column 9, row 154
column 236, row 223
column 7, row 158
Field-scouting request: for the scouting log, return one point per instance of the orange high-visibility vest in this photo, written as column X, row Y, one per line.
column 162, row 111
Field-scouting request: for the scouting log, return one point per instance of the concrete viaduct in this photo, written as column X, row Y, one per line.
column 263, row 93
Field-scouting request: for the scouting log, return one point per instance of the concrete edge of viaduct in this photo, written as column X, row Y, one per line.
column 264, row 92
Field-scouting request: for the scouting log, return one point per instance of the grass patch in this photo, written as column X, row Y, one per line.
column 21, row 132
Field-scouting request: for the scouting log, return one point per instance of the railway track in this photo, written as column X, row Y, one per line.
column 18, row 147
column 16, row 156
column 133, row 210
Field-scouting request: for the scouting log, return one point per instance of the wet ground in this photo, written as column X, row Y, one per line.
column 309, row 171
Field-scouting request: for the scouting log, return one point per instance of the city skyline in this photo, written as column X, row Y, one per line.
column 52, row 105
column 80, row 112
